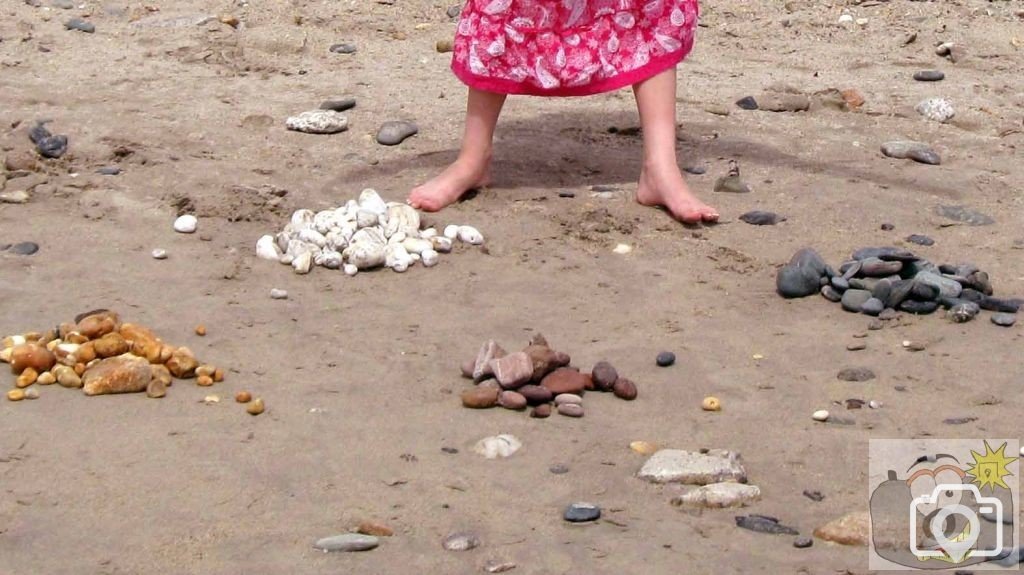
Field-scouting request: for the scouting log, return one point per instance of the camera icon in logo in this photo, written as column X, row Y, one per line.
column 944, row 500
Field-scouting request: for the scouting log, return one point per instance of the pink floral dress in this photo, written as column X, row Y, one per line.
column 569, row 47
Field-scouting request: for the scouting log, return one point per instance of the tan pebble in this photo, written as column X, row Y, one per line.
column 33, row 336
column 67, row 377
column 86, row 352
column 218, row 375
column 46, row 378
column 443, row 46
column 711, row 403
column 79, row 368
column 200, row 330
column 204, row 381
column 206, row 370
column 156, row 389
column 166, row 352
column 211, row 399
column 160, row 373
column 110, row 345
column 643, row 447
column 66, row 353
column 75, row 337
column 5, row 355
column 12, row 340
column 243, row 397
column 16, row 394
column 52, row 345
column 123, row 374
column 27, row 377
column 229, row 20
column 256, row 407
column 31, row 393
column 64, row 329
column 182, row 363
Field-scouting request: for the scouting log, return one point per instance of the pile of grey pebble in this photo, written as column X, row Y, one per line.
column 883, row 281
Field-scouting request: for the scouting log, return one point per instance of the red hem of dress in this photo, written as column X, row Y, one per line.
column 500, row 86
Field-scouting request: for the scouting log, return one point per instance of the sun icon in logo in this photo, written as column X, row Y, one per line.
column 990, row 468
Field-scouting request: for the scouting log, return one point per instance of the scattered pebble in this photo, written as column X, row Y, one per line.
column 48, row 145
column 622, row 249
column 665, row 359
column 80, row 25
column 910, row 150
column 255, row 407
column 318, row 122
column 374, row 529
column 461, row 542
column 760, row 218
column 814, row 495
column 1004, row 319
column 343, row 48
column 496, row 566
column 454, row 11
column 338, row 104
column 719, row 496
column 747, row 103
column 23, row 248
column 732, row 183
column 929, row 76
column 570, row 409
column 856, row 346
column 444, row 46
column 820, row 415
column 643, row 447
column 395, row 132
column 803, row 542
column 764, row 524
column 855, row 374
column 347, row 542
column 16, row 395
column 185, row 224
column 278, row 293
column 559, row 469
column 851, row 529
column 31, row 393
column 914, row 345
column 920, row 240
column 691, row 468
column 243, row 397
column 964, row 215
column 581, row 513
column 109, row 171
column 159, row 254
column 15, row 197
column 936, row 109
column 695, row 170
column 498, row 446
column 711, row 403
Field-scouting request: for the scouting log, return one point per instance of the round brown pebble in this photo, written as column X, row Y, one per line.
column 16, row 394
column 243, row 397
column 571, row 409
column 625, row 389
column 218, row 375
column 375, row 529
column 256, row 407
column 480, row 397
column 604, row 376
column 536, row 394
column 200, row 330
column 204, row 381
column 31, row 355
column 512, row 400
column 156, row 389
column 541, row 411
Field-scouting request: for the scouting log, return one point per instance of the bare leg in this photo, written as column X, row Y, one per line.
column 661, row 182
column 472, row 168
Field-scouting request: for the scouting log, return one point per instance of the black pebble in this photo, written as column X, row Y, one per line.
column 747, row 103
column 929, row 76
column 1002, row 305
column 764, row 524
column 454, row 11
column 761, row 218
column 920, row 240
column 559, row 469
column 566, row 194
column 109, row 171
column 918, row 307
column 665, row 358
column 582, row 512
column 815, row 495
column 888, row 227
column 24, row 248
column 803, row 542
column 449, row 450
column 959, row 420
column 343, row 48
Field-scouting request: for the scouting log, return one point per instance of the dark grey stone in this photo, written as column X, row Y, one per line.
column 924, row 292
column 764, row 524
column 803, row 542
column 1004, row 319
column 80, row 25
column 900, row 291
column 747, row 103
column 559, row 469
column 946, row 287
column 665, row 358
column 964, row 215
column 864, row 283
column 695, row 170
column 920, row 240
column 963, row 312
column 972, row 295
column 831, row 294
column 929, row 76
column 801, row 277
column 343, row 48
column 873, row 306
column 925, row 156
column 761, row 218
column 24, row 248
column 339, row 104
column 48, row 145
column 887, row 253
column 853, row 299
column 582, row 512
column 918, row 307
column 882, row 289
column 454, row 11
column 395, row 132
column 840, row 283
column 1003, row 305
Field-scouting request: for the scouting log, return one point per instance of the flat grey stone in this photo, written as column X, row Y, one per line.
column 347, row 542
column 679, row 466
column 947, row 287
column 929, row 76
column 339, row 104
column 964, row 215
column 853, row 299
column 581, row 513
column 396, row 132
column 80, row 25
column 461, row 542
column 1004, row 319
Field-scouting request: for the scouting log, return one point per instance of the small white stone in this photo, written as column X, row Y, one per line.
column 159, row 254
column 278, row 294
column 846, row 19
column 1022, row 451
column 874, row 404
column 429, row 258
column 862, row 22
column 303, row 263
column 936, row 109
column 497, row 446
column 318, row 122
column 350, row 269
column 428, row 233
column 185, row 224
column 442, row 244
column 820, row 415
column 470, row 235
column 623, row 249
column 266, row 249
column 451, row 231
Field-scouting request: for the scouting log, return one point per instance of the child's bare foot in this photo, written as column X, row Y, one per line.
column 447, row 187
column 664, row 186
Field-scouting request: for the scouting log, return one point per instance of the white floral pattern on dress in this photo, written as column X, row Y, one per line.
column 542, row 46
